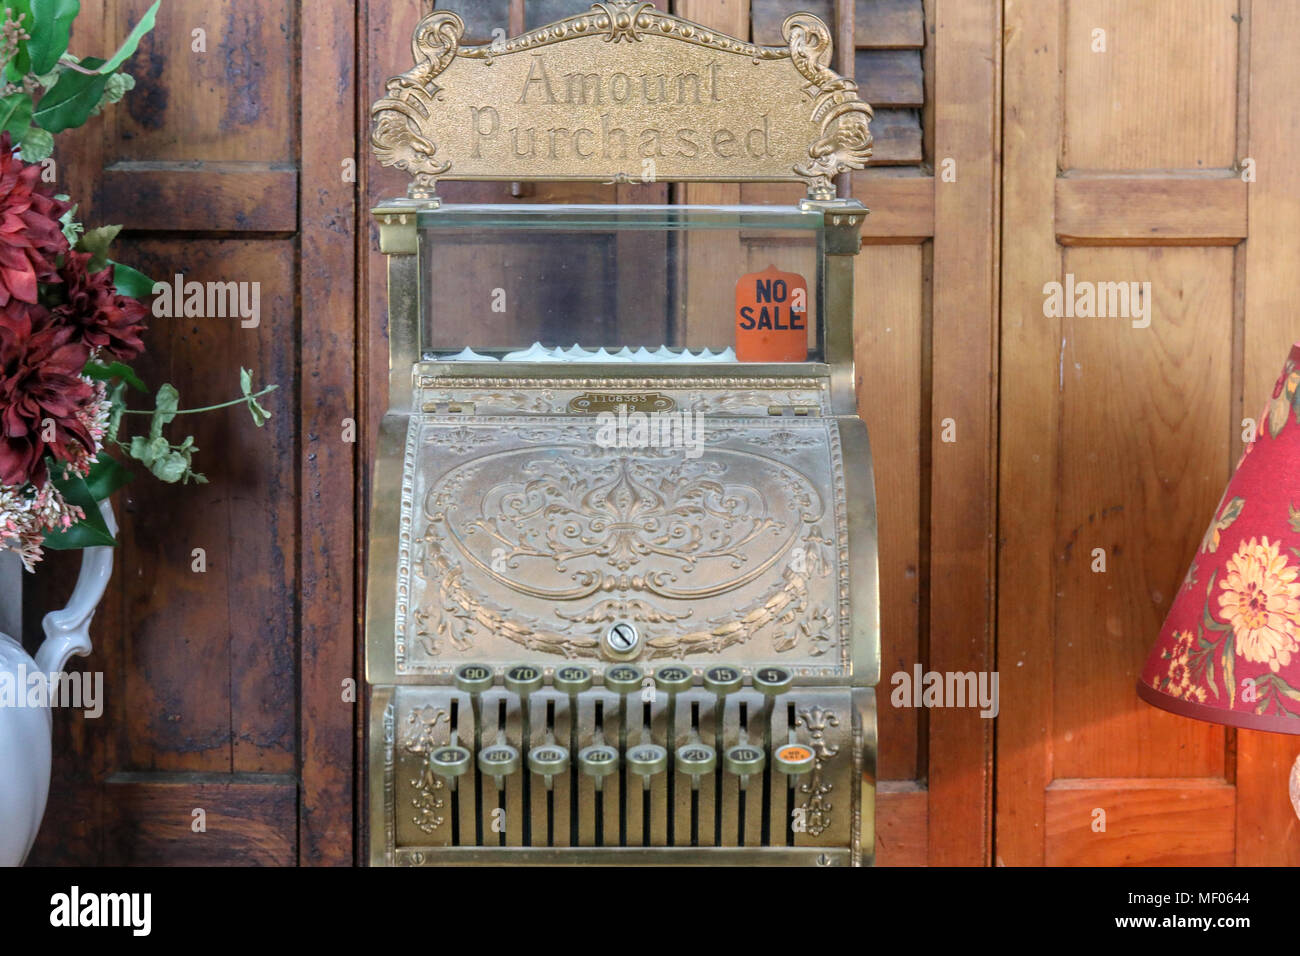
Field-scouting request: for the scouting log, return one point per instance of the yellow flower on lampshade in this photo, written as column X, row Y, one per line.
column 1261, row 600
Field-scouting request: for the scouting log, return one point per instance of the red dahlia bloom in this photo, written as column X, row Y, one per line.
column 31, row 239
column 40, row 384
column 103, row 319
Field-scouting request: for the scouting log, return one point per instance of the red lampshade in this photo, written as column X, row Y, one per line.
column 1230, row 649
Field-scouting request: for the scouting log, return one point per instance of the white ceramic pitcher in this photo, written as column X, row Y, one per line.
column 25, row 732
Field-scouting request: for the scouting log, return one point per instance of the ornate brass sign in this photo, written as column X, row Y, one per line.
column 623, row 93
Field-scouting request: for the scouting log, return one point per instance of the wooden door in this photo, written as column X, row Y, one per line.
column 1132, row 131
column 226, row 677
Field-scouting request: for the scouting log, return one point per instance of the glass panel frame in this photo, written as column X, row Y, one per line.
column 756, row 226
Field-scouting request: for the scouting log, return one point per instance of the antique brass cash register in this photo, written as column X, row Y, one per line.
column 622, row 583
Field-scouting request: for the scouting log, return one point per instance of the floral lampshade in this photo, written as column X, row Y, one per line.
column 1230, row 649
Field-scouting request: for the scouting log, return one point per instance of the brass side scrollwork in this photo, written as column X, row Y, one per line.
column 402, row 117
column 816, row 806
column 845, row 143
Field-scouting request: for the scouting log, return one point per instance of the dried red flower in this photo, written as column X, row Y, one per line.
column 31, row 239
column 40, row 385
column 105, row 320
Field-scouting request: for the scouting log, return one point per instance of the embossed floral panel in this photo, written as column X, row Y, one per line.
column 528, row 536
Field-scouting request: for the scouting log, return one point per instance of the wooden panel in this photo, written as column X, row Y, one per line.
column 190, row 197
column 1268, row 833
column 902, row 206
column 1144, row 455
column 541, row 12
column 1168, row 822
column 882, row 24
column 770, row 14
column 481, row 17
column 902, row 823
column 1267, row 830
column 1029, row 434
column 73, row 832
column 211, row 656
column 890, row 78
column 896, row 137
column 1163, row 95
column 968, row 42
column 229, row 103
column 249, row 820
column 1146, row 210
column 888, row 341
column 327, row 462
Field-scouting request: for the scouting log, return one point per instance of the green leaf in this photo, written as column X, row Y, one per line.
column 131, row 282
column 119, row 84
column 96, row 242
column 72, row 229
column 51, row 22
column 166, row 403
column 140, row 450
column 105, row 373
column 1293, row 513
column 260, row 414
column 72, row 99
column 117, row 408
column 89, row 532
column 21, row 64
column 37, row 144
column 170, row 467
column 106, row 476
column 132, row 41
column 16, row 115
